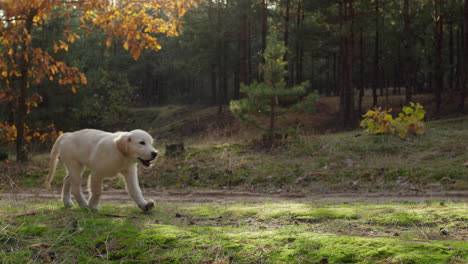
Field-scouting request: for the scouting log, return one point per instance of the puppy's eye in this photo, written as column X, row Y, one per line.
column 142, row 143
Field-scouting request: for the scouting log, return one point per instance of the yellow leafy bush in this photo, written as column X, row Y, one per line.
column 408, row 123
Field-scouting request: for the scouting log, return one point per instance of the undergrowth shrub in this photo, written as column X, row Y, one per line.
column 408, row 123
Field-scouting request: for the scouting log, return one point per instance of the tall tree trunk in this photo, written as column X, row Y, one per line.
column 271, row 127
column 224, row 76
column 299, row 44
column 341, row 56
column 375, row 83
column 407, row 73
column 463, row 86
column 264, row 34
column 348, row 48
column 349, row 93
column 213, row 84
column 214, row 14
column 21, row 153
column 361, row 69
column 249, row 49
column 438, row 39
column 243, row 65
column 286, row 38
column 336, row 73
column 459, row 65
column 451, row 57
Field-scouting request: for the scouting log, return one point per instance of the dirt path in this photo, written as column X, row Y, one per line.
column 231, row 196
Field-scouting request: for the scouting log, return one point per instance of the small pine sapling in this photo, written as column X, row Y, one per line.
column 262, row 98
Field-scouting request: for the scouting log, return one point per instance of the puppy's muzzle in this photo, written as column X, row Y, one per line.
column 147, row 163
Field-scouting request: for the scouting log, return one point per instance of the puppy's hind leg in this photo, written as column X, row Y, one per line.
column 74, row 174
column 66, row 191
column 95, row 189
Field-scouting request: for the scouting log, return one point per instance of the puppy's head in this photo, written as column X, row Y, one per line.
column 137, row 145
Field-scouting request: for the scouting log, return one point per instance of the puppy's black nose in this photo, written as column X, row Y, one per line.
column 153, row 155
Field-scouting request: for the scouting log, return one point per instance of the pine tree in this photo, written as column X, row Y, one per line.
column 262, row 98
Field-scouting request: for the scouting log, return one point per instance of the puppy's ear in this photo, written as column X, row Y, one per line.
column 122, row 143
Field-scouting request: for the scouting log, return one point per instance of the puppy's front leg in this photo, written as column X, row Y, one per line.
column 133, row 189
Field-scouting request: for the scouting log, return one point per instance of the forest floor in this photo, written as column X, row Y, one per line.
column 316, row 197
column 225, row 196
column 227, row 227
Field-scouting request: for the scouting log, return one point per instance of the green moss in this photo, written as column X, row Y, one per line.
column 33, row 230
column 268, row 232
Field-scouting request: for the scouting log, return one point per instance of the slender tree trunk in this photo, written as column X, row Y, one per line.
column 249, row 49
column 451, row 57
column 463, row 86
column 459, row 66
column 243, row 65
column 361, row 69
column 299, row 44
column 376, row 56
column 336, row 83
column 349, row 96
column 224, row 75
column 271, row 128
column 407, row 73
column 264, row 34
column 219, row 59
column 341, row 56
column 21, row 153
column 438, row 39
column 213, row 84
column 286, row 38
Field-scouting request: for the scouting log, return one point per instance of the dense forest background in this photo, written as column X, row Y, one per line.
column 346, row 48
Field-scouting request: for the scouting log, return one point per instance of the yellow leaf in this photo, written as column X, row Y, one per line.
column 73, row 89
column 5, row 74
column 125, row 45
column 36, row 19
column 135, row 53
column 108, row 42
column 83, row 79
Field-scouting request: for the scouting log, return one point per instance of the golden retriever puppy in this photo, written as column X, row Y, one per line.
column 105, row 155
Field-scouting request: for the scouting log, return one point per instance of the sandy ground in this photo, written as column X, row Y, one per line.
column 233, row 196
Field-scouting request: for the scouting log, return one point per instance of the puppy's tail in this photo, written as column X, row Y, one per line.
column 53, row 160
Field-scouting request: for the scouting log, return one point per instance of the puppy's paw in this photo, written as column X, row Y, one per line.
column 148, row 206
column 68, row 203
column 94, row 207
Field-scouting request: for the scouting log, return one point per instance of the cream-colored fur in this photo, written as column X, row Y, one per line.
column 105, row 155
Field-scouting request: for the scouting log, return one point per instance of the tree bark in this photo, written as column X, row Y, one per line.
column 349, row 92
column 375, row 84
column 461, row 103
column 264, row 34
column 21, row 153
column 438, row 39
column 213, row 84
column 242, row 47
column 347, row 98
column 361, row 69
column 451, row 56
column 407, row 73
column 299, row 44
column 286, row 38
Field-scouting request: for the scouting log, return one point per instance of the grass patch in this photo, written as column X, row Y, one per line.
column 338, row 162
column 236, row 233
